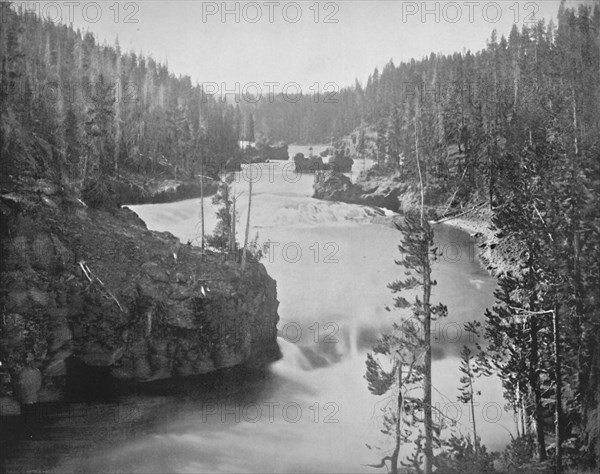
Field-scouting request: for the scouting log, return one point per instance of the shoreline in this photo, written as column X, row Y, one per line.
column 496, row 257
column 478, row 225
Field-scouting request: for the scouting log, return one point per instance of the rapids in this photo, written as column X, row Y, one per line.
column 311, row 410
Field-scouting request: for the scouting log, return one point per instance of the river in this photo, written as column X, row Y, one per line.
column 311, row 410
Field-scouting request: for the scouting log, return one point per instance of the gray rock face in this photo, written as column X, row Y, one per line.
column 369, row 190
column 136, row 191
column 100, row 287
column 332, row 186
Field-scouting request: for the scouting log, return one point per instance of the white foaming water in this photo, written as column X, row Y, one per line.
column 352, row 335
column 293, row 357
column 332, row 268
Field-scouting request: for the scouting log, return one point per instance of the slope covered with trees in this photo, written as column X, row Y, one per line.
column 310, row 117
column 86, row 114
column 472, row 113
column 517, row 127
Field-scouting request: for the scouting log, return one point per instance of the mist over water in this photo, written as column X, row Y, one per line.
column 311, row 410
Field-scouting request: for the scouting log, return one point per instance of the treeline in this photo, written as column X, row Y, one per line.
column 85, row 114
column 309, row 118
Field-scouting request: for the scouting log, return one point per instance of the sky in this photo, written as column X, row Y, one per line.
column 324, row 45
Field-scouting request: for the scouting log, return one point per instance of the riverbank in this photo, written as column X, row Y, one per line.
column 394, row 194
column 136, row 189
column 496, row 256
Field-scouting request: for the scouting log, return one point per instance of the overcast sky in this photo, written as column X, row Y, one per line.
column 269, row 42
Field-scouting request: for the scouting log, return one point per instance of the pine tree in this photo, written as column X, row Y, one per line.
column 223, row 236
column 249, row 135
column 98, row 135
column 393, row 139
column 73, row 142
column 409, row 347
column 380, row 146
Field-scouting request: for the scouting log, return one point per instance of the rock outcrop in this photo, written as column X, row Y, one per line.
column 369, row 190
column 98, row 287
column 136, row 191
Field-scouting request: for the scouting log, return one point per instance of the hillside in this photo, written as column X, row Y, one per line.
column 100, row 121
column 83, row 280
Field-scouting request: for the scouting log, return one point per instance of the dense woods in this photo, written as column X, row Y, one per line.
column 310, row 117
column 521, row 135
column 85, row 114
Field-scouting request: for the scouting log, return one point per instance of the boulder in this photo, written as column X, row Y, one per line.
column 369, row 190
column 27, row 384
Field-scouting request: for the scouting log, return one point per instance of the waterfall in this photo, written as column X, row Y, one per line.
column 353, row 339
column 293, row 357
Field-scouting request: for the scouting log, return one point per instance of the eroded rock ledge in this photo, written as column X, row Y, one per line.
column 371, row 189
column 99, row 287
column 134, row 190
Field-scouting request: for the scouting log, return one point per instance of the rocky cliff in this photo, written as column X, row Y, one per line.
column 137, row 189
column 370, row 189
column 98, row 287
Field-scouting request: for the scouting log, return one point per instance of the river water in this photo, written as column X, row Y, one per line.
column 311, row 410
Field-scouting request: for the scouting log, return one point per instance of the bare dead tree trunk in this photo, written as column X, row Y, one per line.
column 84, row 173
column 419, row 169
column 396, row 453
column 245, row 254
column 558, row 409
column 517, row 413
column 534, row 382
column 575, row 139
column 427, row 372
column 117, row 121
column 475, row 440
column 202, row 203
column 232, row 236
